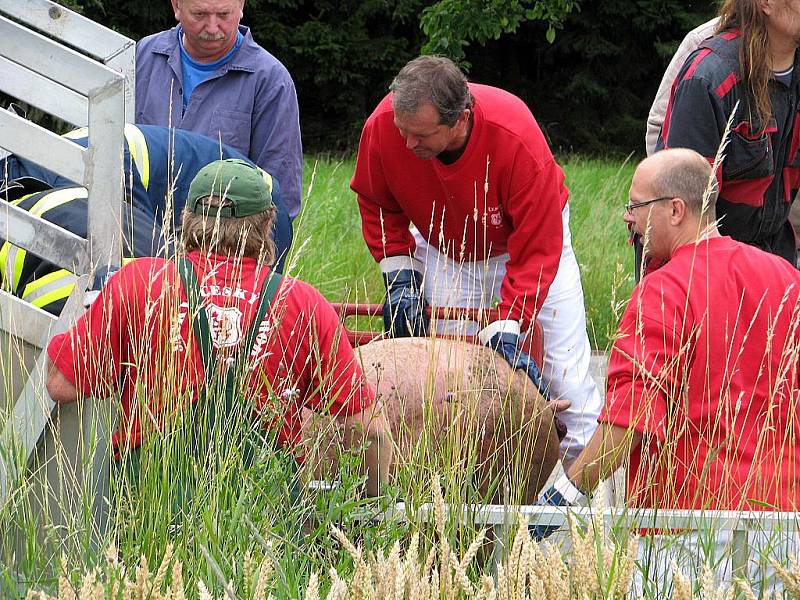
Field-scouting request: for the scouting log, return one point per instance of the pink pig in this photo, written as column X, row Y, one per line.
column 453, row 402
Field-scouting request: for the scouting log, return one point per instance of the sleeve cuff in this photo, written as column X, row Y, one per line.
column 570, row 492
column 495, row 327
column 391, row 264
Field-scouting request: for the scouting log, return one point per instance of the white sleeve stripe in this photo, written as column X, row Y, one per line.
column 569, row 490
column 502, row 326
column 398, row 263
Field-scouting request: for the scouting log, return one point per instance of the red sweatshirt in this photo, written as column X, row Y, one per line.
column 504, row 194
column 705, row 367
column 136, row 336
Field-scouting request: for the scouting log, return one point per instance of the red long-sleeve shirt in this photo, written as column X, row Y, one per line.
column 505, row 193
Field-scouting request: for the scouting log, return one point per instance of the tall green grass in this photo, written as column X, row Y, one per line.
column 247, row 534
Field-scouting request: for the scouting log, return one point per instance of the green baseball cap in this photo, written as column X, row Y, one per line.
column 245, row 189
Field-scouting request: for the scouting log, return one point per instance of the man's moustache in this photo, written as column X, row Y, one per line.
column 217, row 37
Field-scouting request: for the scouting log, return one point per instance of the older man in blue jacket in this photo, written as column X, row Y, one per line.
column 209, row 76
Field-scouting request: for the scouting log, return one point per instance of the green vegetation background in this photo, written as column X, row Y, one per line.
column 590, row 88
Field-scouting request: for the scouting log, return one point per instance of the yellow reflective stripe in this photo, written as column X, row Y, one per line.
column 267, row 178
column 49, row 288
column 77, row 133
column 57, row 198
column 137, row 146
column 4, row 270
column 55, row 296
column 12, row 258
column 46, row 279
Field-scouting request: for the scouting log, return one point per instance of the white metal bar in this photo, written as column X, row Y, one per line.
column 25, row 425
column 738, row 522
column 104, row 174
column 125, row 63
column 48, row 241
column 104, row 181
column 15, row 312
column 51, row 59
column 740, row 552
column 501, row 535
column 20, row 136
column 43, row 93
column 640, row 518
column 74, row 29
column 110, row 92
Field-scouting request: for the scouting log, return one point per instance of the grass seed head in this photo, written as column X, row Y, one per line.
column 682, row 587
column 264, row 571
column 163, row 569
column 346, row 543
column 745, row 589
column 312, row 591
column 65, row 589
column 789, row 576
column 202, row 591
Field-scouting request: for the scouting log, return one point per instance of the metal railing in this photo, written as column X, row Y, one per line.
column 504, row 520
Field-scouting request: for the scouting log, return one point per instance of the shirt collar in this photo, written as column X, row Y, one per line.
column 243, row 60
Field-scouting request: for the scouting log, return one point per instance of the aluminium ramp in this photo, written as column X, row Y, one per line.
column 80, row 72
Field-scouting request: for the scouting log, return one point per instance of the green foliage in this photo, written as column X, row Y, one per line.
column 590, row 87
column 342, row 56
column 450, row 25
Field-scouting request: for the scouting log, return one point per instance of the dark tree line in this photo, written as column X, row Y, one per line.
column 590, row 88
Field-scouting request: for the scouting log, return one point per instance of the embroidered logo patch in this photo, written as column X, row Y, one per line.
column 225, row 325
column 495, row 216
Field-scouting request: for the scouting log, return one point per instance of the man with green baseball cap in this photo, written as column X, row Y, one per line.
column 219, row 319
column 247, row 190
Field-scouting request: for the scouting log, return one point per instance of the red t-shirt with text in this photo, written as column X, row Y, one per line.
column 136, row 338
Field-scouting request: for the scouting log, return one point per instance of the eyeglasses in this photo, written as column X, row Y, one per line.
column 631, row 205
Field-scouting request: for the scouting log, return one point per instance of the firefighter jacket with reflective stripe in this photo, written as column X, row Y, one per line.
column 48, row 286
column 760, row 174
column 160, row 163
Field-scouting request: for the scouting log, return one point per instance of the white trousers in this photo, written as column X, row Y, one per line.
column 567, row 352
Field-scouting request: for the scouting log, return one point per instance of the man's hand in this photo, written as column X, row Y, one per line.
column 562, row 493
column 60, row 389
column 503, row 338
column 560, row 406
column 404, row 308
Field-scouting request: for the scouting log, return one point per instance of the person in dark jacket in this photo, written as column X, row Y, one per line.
column 746, row 73
column 159, row 164
column 44, row 284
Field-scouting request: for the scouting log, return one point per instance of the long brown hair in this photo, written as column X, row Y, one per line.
column 230, row 236
column 754, row 64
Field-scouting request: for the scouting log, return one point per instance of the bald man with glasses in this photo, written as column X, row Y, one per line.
column 702, row 390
